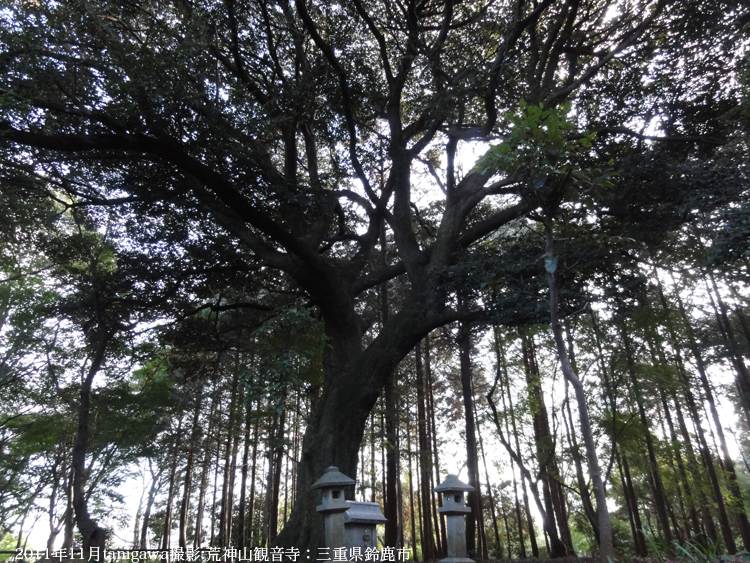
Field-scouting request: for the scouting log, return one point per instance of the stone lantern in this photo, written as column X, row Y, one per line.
column 334, row 505
column 361, row 522
column 455, row 510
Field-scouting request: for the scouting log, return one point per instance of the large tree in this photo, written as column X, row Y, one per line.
column 303, row 131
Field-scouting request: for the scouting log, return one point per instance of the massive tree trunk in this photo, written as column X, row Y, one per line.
column 247, row 173
column 353, row 382
column 392, row 526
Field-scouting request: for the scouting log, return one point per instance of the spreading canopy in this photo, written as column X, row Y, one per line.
column 307, row 133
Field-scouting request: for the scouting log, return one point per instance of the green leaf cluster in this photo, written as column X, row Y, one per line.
column 549, row 156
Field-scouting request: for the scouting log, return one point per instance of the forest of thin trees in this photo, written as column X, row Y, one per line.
column 242, row 241
column 209, row 429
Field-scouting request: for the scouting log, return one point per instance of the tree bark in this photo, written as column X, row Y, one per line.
column 442, row 542
column 188, row 481
column 242, row 508
column 474, row 497
column 335, row 430
column 93, row 535
column 683, row 382
column 392, row 525
column 489, row 486
column 545, row 452
column 253, row 474
column 174, row 460
column 278, row 455
column 208, row 444
column 411, row 484
column 606, row 549
column 588, row 507
column 69, row 520
column 631, row 499
column 742, row 376
column 701, row 368
column 425, row 462
column 660, row 497
column 152, row 492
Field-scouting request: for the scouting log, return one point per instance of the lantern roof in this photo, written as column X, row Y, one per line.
column 364, row 513
column 452, row 483
column 332, row 478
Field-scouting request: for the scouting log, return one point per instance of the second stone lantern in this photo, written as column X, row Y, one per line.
column 455, row 511
column 334, row 505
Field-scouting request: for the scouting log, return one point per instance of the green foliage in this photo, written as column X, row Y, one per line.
column 693, row 551
column 659, row 547
column 288, row 348
column 538, row 142
column 544, row 149
column 8, row 542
